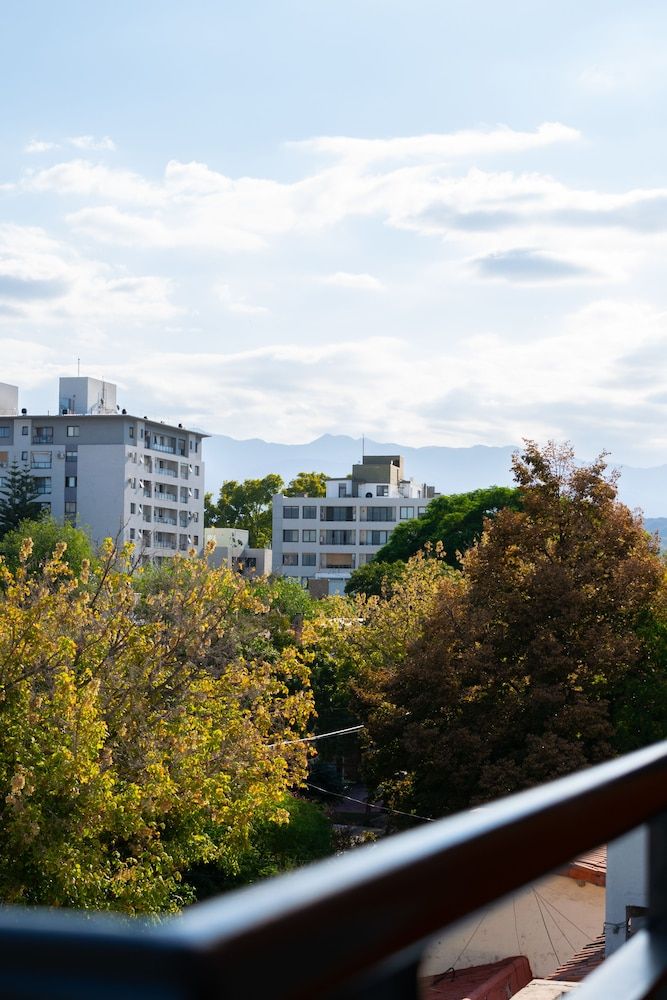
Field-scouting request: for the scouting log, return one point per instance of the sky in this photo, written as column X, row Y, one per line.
column 426, row 222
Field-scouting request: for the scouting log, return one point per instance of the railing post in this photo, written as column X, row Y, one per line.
column 657, row 885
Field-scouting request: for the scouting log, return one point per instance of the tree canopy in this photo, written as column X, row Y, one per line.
column 18, row 499
column 456, row 521
column 519, row 669
column 45, row 534
column 249, row 504
column 307, row 484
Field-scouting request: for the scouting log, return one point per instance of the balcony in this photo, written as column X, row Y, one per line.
column 42, row 439
column 166, row 448
column 165, row 495
column 164, row 520
column 354, row 927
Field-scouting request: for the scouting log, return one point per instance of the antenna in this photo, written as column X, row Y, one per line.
column 78, row 366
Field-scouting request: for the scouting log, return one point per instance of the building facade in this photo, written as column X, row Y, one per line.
column 111, row 473
column 321, row 540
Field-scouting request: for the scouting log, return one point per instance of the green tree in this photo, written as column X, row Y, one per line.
column 518, row 673
column 134, row 746
column 375, row 577
column 456, row 521
column 307, row 484
column 246, row 505
column 18, row 499
column 46, row 534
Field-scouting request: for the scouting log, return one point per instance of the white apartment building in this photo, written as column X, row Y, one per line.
column 111, row 473
column 326, row 538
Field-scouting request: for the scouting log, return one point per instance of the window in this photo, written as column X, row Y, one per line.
column 196, row 494
column 196, row 470
column 40, row 460
column 420, row 511
column 4, row 432
column 407, row 512
column 181, row 446
column 4, row 459
column 192, row 446
column 141, row 433
column 24, row 456
column 290, row 558
column 382, row 491
column 42, row 435
column 70, row 481
column 24, row 430
column 290, row 535
column 195, row 539
column 70, row 506
column 73, row 431
column 133, row 508
column 309, row 512
column 378, row 513
column 133, row 534
column 290, row 512
column 342, row 489
column 131, row 431
column 309, row 535
column 71, row 456
column 308, row 559
column 42, row 485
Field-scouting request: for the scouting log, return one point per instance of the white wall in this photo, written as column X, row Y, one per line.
column 626, row 883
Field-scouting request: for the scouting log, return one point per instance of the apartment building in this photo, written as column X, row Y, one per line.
column 326, row 538
column 114, row 474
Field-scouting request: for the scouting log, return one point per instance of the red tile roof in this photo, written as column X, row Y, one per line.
column 493, row 981
column 591, row 867
column 579, row 966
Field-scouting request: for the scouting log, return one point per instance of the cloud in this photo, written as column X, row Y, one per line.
column 527, row 265
column 440, row 146
column 39, row 146
column 25, row 289
column 89, row 142
column 345, row 279
column 238, row 305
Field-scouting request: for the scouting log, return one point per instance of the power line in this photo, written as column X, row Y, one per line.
column 320, row 736
column 370, row 805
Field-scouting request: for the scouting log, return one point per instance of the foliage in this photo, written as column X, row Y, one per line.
column 46, row 534
column 135, row 745
column 272, row 848
column 375, row 578
column 517, row 674
column 18, row 499
column 456, row 521
column 307, row 484
column 245, row 505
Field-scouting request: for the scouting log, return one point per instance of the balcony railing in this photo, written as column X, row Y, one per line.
column 356, row 926
column 167, row 448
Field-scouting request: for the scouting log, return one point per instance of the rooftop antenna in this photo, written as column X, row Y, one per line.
column 78, row 366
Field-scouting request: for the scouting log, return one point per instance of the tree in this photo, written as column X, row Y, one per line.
column 375, row 578
column 134, row 745
column 46, row 535
column 307, row 484
column 246, row 505
column 516, row 676
column 18, row 499
column 456, row 521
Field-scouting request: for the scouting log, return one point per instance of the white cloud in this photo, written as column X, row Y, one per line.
column 89, row 142
column 39, row 146
column 237, row 304
column 345, row 279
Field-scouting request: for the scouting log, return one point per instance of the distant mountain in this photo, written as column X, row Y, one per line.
column 450, row 470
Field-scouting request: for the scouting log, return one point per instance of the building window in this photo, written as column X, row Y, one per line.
column 421, row 511
column 196, row 470
column 70, row 506
column 407, row 513
column 24, row 430
column 131, row 431
column 42, row 485
column 70, row 481
column 195, row 539
column 133, row 508
column 290, row 558
column 4, row 432
column 382, row 491
column 309, row 513
column 133, row 534
column 309, row 535
column 290, row 512
column 71, row 456
column 72, row 430
column 342, row 489
column 196, row 492
column 4, row 459
column 290, row 535
column 378, row 513
column 308, row 559
column 24, row 456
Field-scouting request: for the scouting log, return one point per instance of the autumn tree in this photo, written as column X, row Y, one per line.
column 136, row 743
column 245, row 505
column 18, row 499
column 516, row 676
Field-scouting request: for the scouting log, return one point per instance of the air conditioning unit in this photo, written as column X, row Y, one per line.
column 60, row 454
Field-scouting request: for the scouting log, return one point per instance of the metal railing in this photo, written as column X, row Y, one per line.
column 356, row 926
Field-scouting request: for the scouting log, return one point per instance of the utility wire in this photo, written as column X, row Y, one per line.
column 312, row 739
column 553, row 948
column 370, row 805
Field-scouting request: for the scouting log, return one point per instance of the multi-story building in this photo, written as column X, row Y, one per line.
column 326, row 538
column 114, row 474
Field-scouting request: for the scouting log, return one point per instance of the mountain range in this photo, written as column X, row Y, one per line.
column 450, row 470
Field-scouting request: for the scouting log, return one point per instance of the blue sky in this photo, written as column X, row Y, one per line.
column 438, row 223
